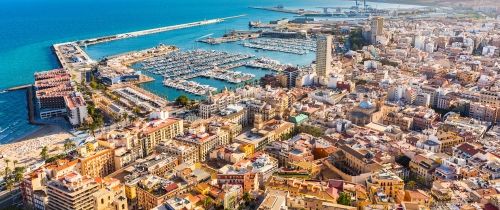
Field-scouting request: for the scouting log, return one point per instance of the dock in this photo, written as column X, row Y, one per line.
column 153, row 31
column 283, row 10
column 19, row 87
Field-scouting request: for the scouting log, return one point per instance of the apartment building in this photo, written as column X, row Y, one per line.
column 158, row 130
column 72, row 191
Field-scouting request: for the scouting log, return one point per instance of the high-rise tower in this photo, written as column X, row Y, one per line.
column 323, row 56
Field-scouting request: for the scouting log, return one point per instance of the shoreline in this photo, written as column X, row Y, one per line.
column 411, row 3
column 26, row 149
column 31, row 135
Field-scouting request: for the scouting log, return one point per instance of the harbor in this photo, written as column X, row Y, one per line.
column 189, row 86
column 295, row 46
column 268, row 64
column 189, row 64
column 178, row 67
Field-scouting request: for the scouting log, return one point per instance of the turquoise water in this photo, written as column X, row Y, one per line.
column 28, row 28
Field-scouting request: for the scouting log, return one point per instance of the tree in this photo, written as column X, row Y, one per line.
column 344, row 199
column 68, row 144
column 356, row 40
column 7, row 169
column 9, row 184
column 136, row 110
column 18, row 173
column 182, row 100
column 125, row 116
column 44, row 153
column 246, row 197
column 411, row 184
column 315, row 131
column 90, row 147
column 207, row 202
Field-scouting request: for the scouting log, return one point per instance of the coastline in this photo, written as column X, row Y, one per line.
column 26, row 150
column 404, row 2
column 41, row 131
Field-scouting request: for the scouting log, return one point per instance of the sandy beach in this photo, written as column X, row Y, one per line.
column 27, row 150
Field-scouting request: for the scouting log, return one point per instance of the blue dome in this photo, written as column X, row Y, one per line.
column 365, row 105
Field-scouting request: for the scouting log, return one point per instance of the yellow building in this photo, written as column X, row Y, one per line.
column 418, row 197
column 303, row 193
column 265, row 132
column 384, row 186
column 448, row 139
column 99, row 163
column 111, row 196
column 159, row 130
column 248, row 149
column 423, row 167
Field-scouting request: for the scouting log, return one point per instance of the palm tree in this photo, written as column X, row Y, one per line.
column 7, row 169
column 125, row 116
column 15, row 162
column 68, row 144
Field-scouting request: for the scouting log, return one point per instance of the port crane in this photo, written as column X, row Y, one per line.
column 365, row 6
column 337, row 9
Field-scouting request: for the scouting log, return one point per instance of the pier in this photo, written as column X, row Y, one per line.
column 152, row 31
column 20, row 87
column 283, row 10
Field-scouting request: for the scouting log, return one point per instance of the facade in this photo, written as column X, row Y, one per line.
column 216, row 103
column 265, row 132
column 377, row 28
column 385, row 186
column 153, row 191
column 291, row 75
column 111, row 195
column 186, row 153
column 323, row 56
column 304, row 194
column 158, row 164
column 55, row 96
column 97, row 164
column 76, row 108
column 250, row 173
column 205, row 142
column 72, row 191
column 158, row 130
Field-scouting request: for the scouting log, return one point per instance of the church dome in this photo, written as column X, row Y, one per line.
column 366, row 105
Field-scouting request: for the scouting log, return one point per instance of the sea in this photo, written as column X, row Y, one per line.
column 28, row 29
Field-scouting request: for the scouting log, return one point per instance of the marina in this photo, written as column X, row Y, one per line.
column 295, row 46
column 178, row 67
column 266, row 63
column 189, row 64
column 188, row 86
